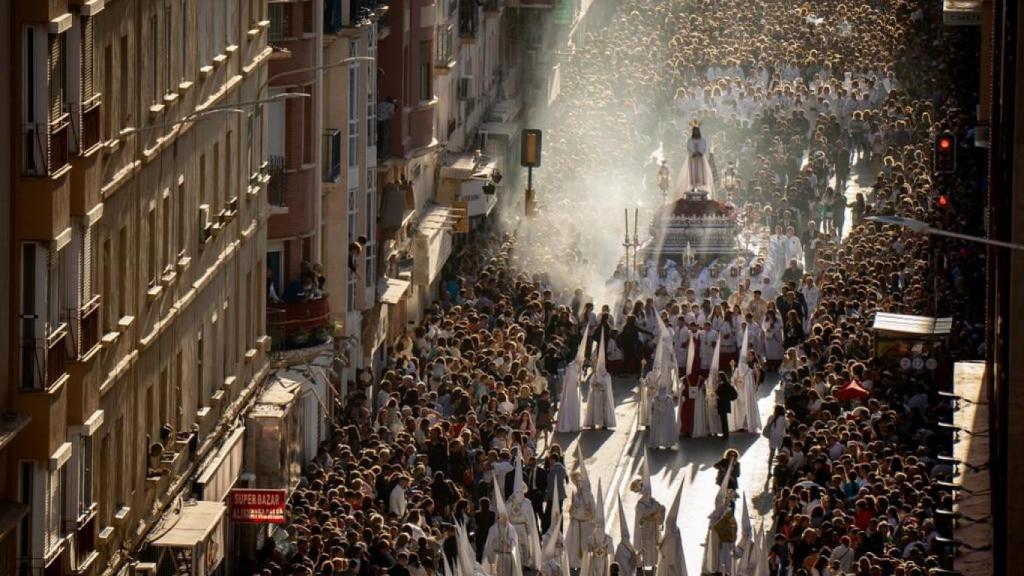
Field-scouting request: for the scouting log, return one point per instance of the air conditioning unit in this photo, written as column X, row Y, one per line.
column 205, row 226
column 465, row 88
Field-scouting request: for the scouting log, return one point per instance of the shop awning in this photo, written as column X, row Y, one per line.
column 193, row 524
column 961, row 12
column 395, row 291
column 907, row 325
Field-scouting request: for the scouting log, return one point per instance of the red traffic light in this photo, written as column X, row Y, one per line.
column 945, row 143
column 943, row 201
column 944, row 153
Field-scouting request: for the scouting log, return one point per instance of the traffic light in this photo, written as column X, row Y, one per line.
column 531, row 202
column 942, row 201
column 530, row 153
column 945, row 153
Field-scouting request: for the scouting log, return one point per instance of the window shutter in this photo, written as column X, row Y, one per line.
column 52, row 510
column 86, row 284
column 54, row 74
column 88, row 86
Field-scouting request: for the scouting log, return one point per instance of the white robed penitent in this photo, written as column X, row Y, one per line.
column 671, row 561
column 570, row 402
column 600, row 410
column 598, row 548
column 524, row 520
column 582, row 510
column 626, row 554
column 712, row 546
column 648, row 521
column 556, row 560
column 501, row 550
column 745, row 416
column 714, row 424
column 745, row 561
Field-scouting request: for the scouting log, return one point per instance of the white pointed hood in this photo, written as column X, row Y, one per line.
column 645, row 478
column 599, row 521
column 499, row 503
column 581, row 467
column 722, row 500
column 601, row 368
column 713, row 369
column 581, row 352
column 554, row 533
column 623, row 525
column 691, row 355
column 741, row 365
column 518, row 485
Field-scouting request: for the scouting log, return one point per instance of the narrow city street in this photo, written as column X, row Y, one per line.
column 691, row 463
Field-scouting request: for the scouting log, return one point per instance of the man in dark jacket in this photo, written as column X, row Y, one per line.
column 484, row 520
column 726, row 394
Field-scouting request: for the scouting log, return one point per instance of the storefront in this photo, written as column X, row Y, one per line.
column 214, row 484
column 912, row 344
column 432, row 246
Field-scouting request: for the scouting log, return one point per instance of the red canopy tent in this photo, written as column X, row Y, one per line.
column 852, row 391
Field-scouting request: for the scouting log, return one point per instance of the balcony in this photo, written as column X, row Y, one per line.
column 278, row 180
column 44, row 360
column 330, row 162
column 361, row 11
column 332, row 16
column 294, row 325
column 85, row 540
column 46, row 146
column 89, row 327
column 89, row 135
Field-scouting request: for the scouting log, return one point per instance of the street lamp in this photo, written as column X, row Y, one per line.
column 925, row 228
column 341, row 62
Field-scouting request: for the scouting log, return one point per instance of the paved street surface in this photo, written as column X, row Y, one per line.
column 692, row 463
column 602, row 449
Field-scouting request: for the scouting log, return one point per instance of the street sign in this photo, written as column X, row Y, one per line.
column 258, row 506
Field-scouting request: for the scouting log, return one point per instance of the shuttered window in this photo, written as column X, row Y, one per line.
column 88, row 75
column 56, row 76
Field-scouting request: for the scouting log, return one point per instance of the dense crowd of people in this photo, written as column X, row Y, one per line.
column 798, row 101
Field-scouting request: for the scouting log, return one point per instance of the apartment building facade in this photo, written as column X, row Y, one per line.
column 137, row 246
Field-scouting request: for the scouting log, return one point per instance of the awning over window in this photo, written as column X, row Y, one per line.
column 192, row 525
column 907, row 325
column 395, row 291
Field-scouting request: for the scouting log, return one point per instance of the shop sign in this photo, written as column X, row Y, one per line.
column 258, row 506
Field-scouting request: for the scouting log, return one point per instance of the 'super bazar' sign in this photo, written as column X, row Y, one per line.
column 258, row 506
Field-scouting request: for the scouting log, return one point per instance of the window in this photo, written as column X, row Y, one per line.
column 204, row 34
column 179, row 379
column 108, row 289
column 280, row 21
column 151, row 260
column 165, row 232
column 82, row 456
column 32, row 315
column 108, row 90
column 353, row 233
column 215, row 200
column 164, row 403
column 183, row 32
column 181, row 232
column 124, row 82
column 228, row 179
column 154, row 38
column 168, row 48
column 200, row 369
column 122, row 272
column 353, row 115
column 202, row 179
column 426, row 72
column 371, row 196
